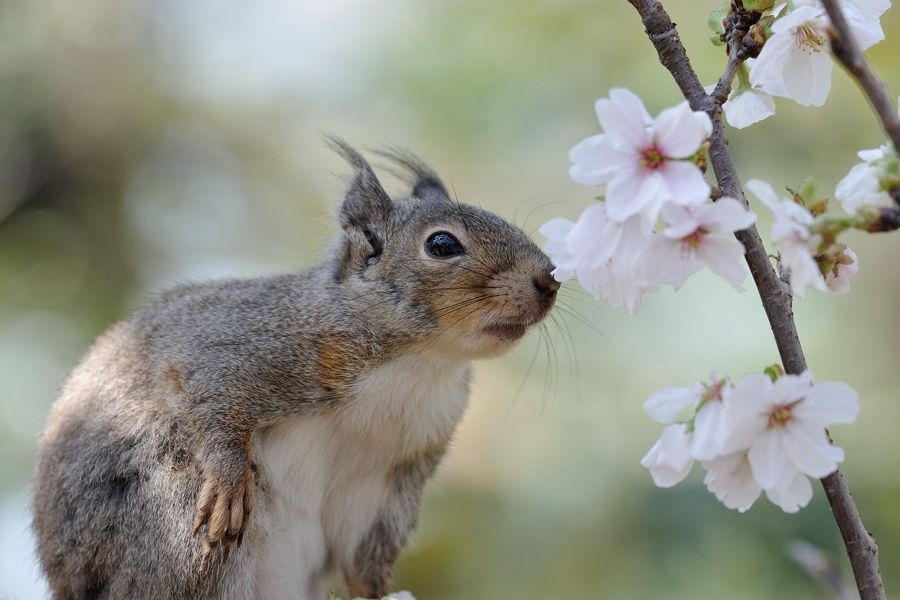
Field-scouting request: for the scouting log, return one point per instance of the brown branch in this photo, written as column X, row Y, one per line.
column 775, row 296
column 846, row 50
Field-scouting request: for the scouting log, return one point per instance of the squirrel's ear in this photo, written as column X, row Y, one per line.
column 366, row 207
column 426, row 184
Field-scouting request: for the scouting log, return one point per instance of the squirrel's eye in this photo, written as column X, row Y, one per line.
column 443, row 245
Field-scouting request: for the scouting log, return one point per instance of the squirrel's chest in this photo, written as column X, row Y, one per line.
column 325, row 479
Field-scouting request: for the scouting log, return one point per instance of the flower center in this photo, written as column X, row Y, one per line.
column 652, row 158
column 780, row 415
column 692, row 242
column 810, row 39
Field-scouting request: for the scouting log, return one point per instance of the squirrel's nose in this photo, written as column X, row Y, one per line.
column 546, row 285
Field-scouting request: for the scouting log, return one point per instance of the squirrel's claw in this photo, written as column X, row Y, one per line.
column 224, row 506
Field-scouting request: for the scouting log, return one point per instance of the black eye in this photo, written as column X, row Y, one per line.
column 443, row 245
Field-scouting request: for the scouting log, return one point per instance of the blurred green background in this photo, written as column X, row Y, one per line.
column 145, row 142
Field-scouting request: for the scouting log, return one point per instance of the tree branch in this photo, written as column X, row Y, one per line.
column 846, row 50
column 775, row 296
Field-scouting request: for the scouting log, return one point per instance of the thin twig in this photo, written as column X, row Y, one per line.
column 846, row 50
column 775, row 296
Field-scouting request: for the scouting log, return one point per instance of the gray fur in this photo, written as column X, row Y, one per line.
column 146, row 480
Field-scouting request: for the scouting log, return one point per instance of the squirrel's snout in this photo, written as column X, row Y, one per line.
column 546, row 285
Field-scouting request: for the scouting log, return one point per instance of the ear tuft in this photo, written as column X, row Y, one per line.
column 366, row 207
column 426, row 184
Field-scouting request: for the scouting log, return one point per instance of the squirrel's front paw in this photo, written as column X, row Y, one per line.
column 224, row 504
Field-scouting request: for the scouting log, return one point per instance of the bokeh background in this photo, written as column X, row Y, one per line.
column 146, row 142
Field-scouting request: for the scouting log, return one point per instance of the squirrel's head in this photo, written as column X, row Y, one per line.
column 454, row 277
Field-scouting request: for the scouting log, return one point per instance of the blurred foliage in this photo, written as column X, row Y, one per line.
column 147, row 141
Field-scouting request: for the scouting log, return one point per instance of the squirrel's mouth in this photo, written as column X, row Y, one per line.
column 507, row 332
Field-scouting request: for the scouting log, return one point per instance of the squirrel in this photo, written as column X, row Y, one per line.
column 257, row 438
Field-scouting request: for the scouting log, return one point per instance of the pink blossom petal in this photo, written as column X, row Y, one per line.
column 593, row 238
column 793, row 495
column 631, row 190
column 624, row 119
column 681, row 220
column 685, row 182
column 595, row 160
column 807, row 77
column 724, row 257
column 840, row 283
column 809, row 450
column 829, row 402
column 727, row 215
column 680, row 131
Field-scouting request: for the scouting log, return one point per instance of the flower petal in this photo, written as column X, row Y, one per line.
column 685, row 182
column 680, row 131
column 767, row 458
column 595, row 160
column 724, row 257
column 664, row 405
column 793, row 495
column 807, row 77
column 829, row 402
column 806, row 445
column 624, row 119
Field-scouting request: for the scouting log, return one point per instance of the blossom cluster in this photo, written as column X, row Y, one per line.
column 649, row 169
column 753, row 436
column 807, row 258
column 794, row 62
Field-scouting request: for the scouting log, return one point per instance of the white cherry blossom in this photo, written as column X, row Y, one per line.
column 792, row 238
column 862, row 185
column 796, row 55
column 642, row 161
column 688, row 245
column 747, row 104
column 781, row 426
column 670, row 460
column 840, row 281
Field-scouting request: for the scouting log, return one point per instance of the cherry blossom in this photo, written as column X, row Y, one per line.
column 730, row 478
column 704, row 435
column 781, row 425
column 670, row 460
column 863, row 186
column 797, row 52
column 838, row 279
column 601, row 253
column 556, row 231
column 643, row 162
column 687, row 244
column 791, row 235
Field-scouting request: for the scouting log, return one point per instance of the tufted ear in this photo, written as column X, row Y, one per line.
column 426, row 184
column 366, row 208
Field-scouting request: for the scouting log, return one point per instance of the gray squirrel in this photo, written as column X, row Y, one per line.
column 255, row 438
